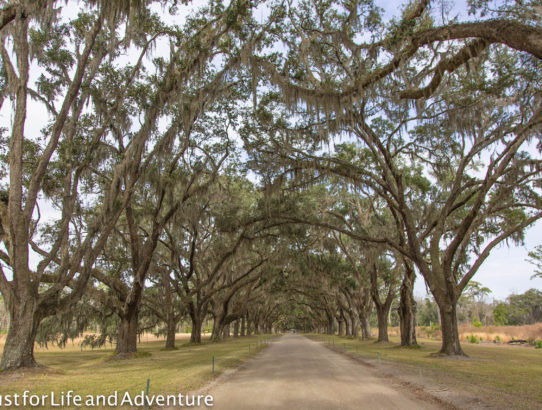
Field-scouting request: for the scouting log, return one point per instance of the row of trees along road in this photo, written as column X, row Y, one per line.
column 378, row 147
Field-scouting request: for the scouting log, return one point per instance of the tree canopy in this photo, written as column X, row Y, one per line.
column 239, row 157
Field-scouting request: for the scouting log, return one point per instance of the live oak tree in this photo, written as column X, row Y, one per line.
column 85, row 114
column 440, row 120
column 535, row 257
column 195, row 149
column 202, row 247
column 472, row 122
column 161, row 300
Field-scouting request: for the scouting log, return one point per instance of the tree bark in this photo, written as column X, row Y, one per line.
column 218, row 328
column 341, row 326
column 171, row 331
column 365, row 326
column 19, row 346
column 195, row 335
column 236, row 328
column 226, row 331
column 249, row 328
column 354, row 320
column 127, row 336
column 365, row 309
column 243, row 328
column 348, row 328
column 407, row 308
column 330, row 323
column 382, row 313
column 382, row 308
column 450, row 333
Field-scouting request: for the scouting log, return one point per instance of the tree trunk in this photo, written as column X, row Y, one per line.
column 354, row 323
column 348, row 330
column 256, row 327
column 450, row 334
column 127, row 336
column 218, row 328
column 382, row 308
column 23, row 325
column 243, row 328
column 249, row 328
column 329, row 324
column 226, row 331
column 365, row 326
column 171, row 331
column 382, row 315
column 195, row 335
column 236, row 328
column 407, row 308
column 365, row 309
column 341, row 326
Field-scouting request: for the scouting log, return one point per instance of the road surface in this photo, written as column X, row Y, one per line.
column 297, row 373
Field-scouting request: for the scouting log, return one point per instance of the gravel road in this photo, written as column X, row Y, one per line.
column 297, row 373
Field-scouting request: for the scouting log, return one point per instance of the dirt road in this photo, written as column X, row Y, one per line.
column 298, row 373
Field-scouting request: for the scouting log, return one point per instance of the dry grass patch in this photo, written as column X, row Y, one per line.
column 504, row 333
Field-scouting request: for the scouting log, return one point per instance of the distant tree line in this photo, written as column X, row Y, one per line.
column 524, row 309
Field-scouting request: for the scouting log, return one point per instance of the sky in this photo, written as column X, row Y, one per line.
column 506, row 271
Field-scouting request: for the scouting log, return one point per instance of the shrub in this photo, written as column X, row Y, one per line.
column 538, row 345
column 472, row 339
column 477, row 323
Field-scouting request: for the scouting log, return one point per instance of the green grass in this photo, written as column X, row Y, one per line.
column 93, row 372
column 504, row 375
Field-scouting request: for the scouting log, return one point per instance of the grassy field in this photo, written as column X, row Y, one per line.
column 508, row 376
column 93, row 372
column 488, row 333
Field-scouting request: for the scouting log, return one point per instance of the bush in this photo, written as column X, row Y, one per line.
column 538, row 345
column 472, row 339
column 477, row 323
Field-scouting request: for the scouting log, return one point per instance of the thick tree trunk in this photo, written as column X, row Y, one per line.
column 382, row 315
column 195, row 335
column 127, row 336
column 19, row 346
column 365, row 326
column 171, row 331
column 341, row 326
column 330, row 324
column 236, row 328
column 354, row 323
column 450, row 334
column 218, row 328
column 407, row 308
